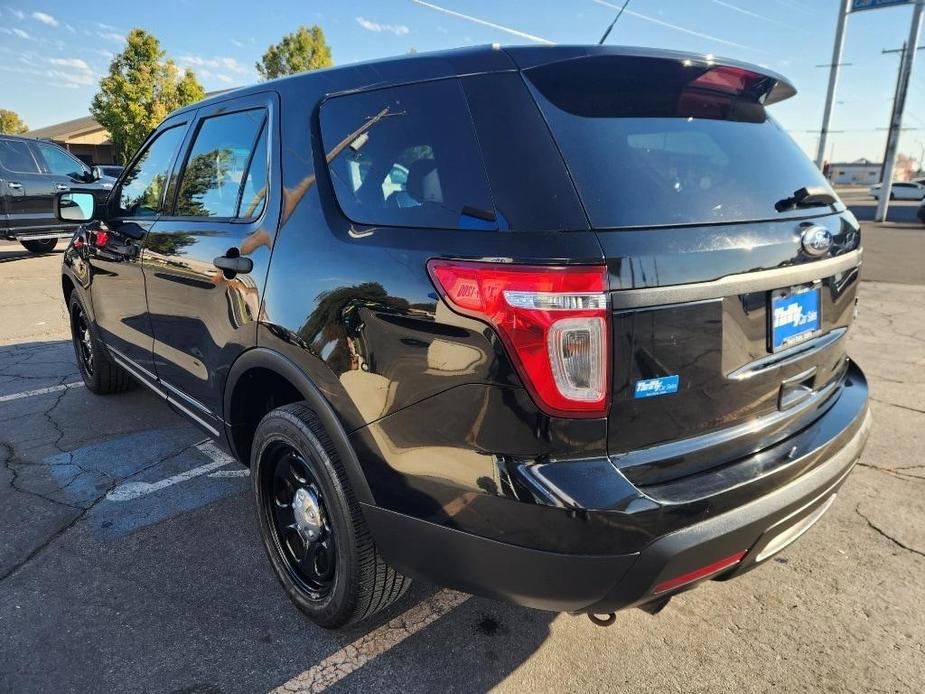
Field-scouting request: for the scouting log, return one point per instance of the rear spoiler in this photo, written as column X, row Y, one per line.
column 772, row 87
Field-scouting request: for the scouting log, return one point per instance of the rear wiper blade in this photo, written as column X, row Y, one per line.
column 809, row 196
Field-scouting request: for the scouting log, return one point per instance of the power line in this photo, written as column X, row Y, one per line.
column 676, row 27
column 485, row 22
column 764, row 18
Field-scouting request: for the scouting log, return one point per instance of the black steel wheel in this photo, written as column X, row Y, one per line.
column 100, row 373
column 83, row 343
column 302, row 531
column 311, row 524
column 40, row 245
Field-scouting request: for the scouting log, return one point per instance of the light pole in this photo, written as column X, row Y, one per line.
column 833, row 78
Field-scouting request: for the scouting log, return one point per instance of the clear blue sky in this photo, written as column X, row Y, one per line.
column 52, row 53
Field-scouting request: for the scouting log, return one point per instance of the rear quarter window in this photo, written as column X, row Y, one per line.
column 16, row 157
column 407, row 156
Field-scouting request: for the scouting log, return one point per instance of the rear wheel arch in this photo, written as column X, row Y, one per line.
column 67, row 286
column 261, row 380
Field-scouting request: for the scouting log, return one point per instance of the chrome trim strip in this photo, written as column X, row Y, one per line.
column 193, row 415
column 135, row 365
column 761, row 280
column 693, row 444
column 788, row 356
column 42, row 237
column 116, row 357
column 142, row 375
column 192, row 401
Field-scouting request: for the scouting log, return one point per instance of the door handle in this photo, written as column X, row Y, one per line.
column 232, row 263
column 61, row 186
column 14, row 185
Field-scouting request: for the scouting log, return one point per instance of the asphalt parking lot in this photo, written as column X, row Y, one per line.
column 130, row 558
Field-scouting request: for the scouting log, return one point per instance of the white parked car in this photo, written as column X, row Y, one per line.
column 902, row 190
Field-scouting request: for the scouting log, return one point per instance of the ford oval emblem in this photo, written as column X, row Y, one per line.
column 816, row 240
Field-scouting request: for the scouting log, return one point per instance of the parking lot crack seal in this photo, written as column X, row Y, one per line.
column 13, row 466
column 895, row 472
column 82, row 512
column 902, row 407
column 889, row 537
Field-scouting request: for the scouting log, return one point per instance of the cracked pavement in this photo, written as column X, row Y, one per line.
column 171, row 591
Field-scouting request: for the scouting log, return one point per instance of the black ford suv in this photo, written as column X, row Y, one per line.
column 31, row 173
column 563, row 326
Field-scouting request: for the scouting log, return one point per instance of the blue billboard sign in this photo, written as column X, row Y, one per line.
column 858, row 5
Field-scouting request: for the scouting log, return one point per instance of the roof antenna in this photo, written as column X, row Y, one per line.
column 607, row 33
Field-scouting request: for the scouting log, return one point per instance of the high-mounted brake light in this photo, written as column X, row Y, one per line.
column 552, row 320
column 727, row 79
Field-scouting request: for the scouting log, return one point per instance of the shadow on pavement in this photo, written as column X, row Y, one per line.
column 10, row 253
column 172, row 591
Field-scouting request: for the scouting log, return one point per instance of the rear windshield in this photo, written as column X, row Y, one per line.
column 653, row 142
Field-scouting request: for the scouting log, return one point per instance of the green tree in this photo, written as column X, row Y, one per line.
column 139, row 91
column 11, row 123
column 202, row 174
column 303, row 50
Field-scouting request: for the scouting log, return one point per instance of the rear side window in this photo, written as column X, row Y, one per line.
column 407, row 156
column 218, row 170
column 15, row 156
column 653, row 142
column 142, row 190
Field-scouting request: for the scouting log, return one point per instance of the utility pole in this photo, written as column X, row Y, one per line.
column 896, row 120
column 833, row 78
column 896, row 96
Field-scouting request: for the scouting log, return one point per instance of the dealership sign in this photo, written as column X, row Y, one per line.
column 858, row 5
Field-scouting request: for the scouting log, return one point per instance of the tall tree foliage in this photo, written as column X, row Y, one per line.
column 303, row 50
column 139, row 91
column 11, row 123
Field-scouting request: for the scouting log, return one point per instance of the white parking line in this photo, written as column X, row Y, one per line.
column 40, row 391
column 369, row 647
column 239, row 472
column 134, row 490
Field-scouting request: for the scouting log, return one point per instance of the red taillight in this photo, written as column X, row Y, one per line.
column 727, row 79
column 553, row 321
column 702, row 572
column 100, row 238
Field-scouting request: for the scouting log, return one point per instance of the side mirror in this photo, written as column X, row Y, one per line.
column 75, row 207
column 96, row 173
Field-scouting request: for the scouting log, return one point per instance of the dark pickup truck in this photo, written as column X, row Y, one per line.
column 31, row 173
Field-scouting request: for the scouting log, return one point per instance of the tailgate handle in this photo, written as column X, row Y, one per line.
column 796, row 389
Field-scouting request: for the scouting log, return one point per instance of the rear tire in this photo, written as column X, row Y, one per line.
column 40, row 245
column 100, row 373
column 311, row 524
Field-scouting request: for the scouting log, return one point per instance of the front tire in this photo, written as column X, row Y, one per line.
column 40, row 245
column 311, row 524
column 100, row 374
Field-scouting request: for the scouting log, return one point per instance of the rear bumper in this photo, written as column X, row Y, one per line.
column 824, row 454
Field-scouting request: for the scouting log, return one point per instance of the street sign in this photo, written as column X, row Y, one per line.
column 858, row 5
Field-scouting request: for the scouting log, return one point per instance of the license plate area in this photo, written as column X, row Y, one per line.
column 795, row 316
